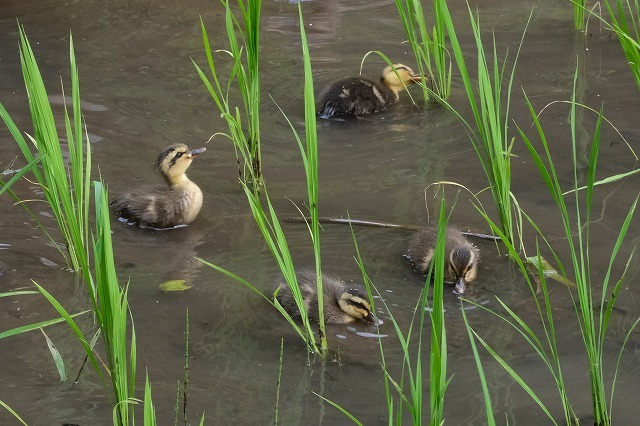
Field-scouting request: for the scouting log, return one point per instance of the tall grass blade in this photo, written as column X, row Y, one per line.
column 483, row 380
column 113, row 313
column 311, row 172
column 438, row 361
column 278, row 383
column 578, row 14
column 185, row 379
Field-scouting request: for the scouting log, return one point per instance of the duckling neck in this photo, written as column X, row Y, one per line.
column 175, row 181
column 389, row 92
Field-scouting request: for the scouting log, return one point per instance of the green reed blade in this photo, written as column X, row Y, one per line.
column 149, row 409
column 483, row 380
column 515, row 376
column 34, row 326
column 57, row 358
column 342, row 410
column 13, row 413
column 29, row 167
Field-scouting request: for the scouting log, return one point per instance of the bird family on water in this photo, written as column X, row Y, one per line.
column 178, row 202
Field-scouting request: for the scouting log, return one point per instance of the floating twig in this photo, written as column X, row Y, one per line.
column 377, row 224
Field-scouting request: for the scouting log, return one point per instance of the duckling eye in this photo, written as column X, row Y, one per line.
column 359, row 305
column 180, row 154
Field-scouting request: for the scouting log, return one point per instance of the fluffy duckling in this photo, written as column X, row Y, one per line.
column 360, row 96
column 166, row 206
column 461, row 256
column 343, row 303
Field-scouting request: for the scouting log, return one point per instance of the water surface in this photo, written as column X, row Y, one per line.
column 141, row 93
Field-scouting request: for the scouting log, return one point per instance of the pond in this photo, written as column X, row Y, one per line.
column 141, row 93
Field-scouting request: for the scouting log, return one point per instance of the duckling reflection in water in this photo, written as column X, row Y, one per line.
column 176, row 203
column 360, row 96
column 343, row 303
column 461, row 256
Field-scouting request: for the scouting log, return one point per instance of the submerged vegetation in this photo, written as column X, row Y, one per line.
column 66, row 187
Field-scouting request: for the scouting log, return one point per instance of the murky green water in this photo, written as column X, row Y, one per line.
column 142, row 93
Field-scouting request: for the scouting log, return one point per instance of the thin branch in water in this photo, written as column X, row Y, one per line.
column 376, row 224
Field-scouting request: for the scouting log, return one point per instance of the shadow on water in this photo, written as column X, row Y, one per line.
column 141, row 93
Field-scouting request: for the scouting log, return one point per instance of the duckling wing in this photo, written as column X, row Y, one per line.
column 421, row 248
column 354, row 96
column 150, row 206
column 306, row 282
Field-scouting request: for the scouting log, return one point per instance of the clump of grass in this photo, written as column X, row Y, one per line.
column 67, row 194
column 625, row 22
column 491, row 137
column 244, row 120
column 428, row 48
column 592, row 327
column 112, row 316
column 412, row 400
column 593, row 312
column 269, row 224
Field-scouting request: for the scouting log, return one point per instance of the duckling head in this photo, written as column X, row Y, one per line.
column 174, row 161
column 353, row 301
column 463, row 266
column 400, row 78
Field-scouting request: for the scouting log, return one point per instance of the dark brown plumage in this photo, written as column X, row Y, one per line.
column 164, row 206
column 461, row 256
column 343, row 303
column 360, row 96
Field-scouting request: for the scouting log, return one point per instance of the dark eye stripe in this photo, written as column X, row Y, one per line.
column 176, row 157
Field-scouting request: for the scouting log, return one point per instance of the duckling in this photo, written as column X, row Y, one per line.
column 360, row 96
column 177, row 203
column 343, row 303
column 462, row 257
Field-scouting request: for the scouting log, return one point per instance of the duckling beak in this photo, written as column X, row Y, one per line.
column 373, row 319
column 418, row 77
column 197, row 151
column 461, row 286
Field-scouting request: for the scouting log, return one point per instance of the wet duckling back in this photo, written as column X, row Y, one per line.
column 360, row 96
column 461, row 256
column 176, row 203
column 343, row 303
